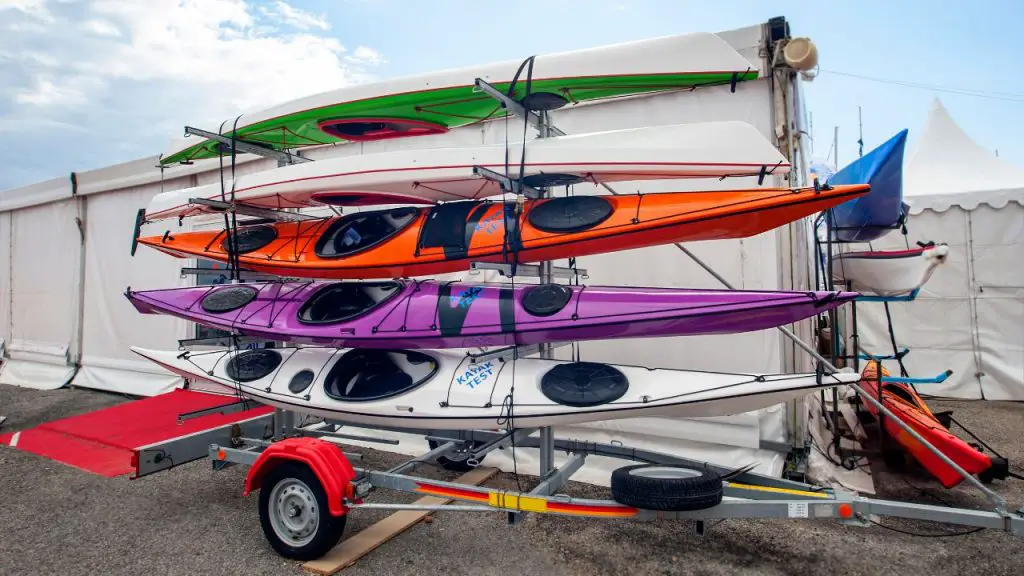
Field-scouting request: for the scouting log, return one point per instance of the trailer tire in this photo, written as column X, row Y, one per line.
column 294, row 513
column 454, row 464
column 671, row 488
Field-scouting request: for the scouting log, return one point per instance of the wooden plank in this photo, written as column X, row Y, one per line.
column 352, row 549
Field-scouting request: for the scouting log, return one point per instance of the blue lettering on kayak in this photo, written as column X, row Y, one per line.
column 475, row 375
column 465, row 298
column 490, row 224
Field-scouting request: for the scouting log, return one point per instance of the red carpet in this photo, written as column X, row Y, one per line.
column 102, row 442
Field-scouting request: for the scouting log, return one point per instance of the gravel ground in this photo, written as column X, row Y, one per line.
column 190, row 520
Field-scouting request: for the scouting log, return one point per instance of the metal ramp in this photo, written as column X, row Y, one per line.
column 107, row 441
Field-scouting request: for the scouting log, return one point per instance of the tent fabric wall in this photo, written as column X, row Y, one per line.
column 998, row 275
column 5, row 280
column 36, row 194
column 110, row 323
column 44, row 277
column 968, row 317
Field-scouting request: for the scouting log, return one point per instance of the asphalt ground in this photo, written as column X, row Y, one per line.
column 55, row 519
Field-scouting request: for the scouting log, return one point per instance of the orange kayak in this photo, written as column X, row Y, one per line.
column 408, row 241
column 911, row 409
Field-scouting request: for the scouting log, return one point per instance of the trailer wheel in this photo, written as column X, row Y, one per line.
column 673, row 488
column 294, row 513
column 459, row 461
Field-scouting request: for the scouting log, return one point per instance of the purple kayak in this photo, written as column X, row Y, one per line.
column 433, row 314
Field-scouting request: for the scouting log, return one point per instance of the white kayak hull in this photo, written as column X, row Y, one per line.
column 450, row 392
column 701, row 150
column 679, row 54
column 888, row 273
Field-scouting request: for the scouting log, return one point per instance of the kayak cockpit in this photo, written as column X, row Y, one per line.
column 362, row 375
column 343, row 301
column 357, row 232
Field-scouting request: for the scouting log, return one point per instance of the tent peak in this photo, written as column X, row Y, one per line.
column 949, row 168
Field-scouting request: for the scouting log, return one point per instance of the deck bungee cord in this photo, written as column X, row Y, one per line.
column 512, row 241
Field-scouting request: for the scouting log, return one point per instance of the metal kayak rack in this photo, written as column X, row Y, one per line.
column 308, row 484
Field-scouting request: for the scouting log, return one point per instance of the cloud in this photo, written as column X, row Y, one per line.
column 35, row 9
column 48, row 91
column 101, row 28
column 366, row 55
column 296, row 17
column 132, row 74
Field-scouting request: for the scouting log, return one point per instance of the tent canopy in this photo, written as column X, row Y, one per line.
column 948, row 169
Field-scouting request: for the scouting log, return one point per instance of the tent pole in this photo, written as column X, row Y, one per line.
column 81, row 217
column 547, row 434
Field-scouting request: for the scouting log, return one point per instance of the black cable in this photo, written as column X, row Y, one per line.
column 895, row 349
column 223, row 198
column 924, row 492
column 921, row 535
column 234, row 256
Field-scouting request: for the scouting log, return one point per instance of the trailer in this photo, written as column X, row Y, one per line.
column 307, row 484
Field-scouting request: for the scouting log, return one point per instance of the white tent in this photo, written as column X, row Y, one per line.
column 970, row 316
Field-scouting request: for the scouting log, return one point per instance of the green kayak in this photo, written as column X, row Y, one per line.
column 434, row 103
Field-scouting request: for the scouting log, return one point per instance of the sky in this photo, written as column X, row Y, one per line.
column 89, row 83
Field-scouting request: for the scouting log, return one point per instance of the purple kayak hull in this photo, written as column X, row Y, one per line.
column 432, row 314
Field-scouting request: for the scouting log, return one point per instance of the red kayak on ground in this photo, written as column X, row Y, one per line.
column 903, row 401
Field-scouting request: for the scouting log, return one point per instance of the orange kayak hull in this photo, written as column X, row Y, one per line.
column 448, row 237
column 905, row 403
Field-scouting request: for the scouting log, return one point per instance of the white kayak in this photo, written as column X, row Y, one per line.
column 446, row 390
column 888, row 273
column 700, row 150
column 437, row 99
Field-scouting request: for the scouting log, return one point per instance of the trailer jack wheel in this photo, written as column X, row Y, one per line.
column 294, row 513
column 457, row 461
column 672, row 488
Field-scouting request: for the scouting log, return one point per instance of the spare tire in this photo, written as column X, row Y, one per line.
column 670, row 488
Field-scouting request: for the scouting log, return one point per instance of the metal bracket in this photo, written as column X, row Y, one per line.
column 338, row 435
column 515, row 437
column 516, row 108
column 243, row 146
column 219, row 341
column 531, row 270
column 245, row 274
column 224, row 409
column 905, row 298
column 508, row 352
column 507, row 184
column 552, row 482
column 245, row 210
column 936, row 380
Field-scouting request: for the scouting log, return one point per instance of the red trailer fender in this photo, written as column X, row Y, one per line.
column 326, row 460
